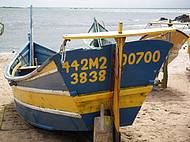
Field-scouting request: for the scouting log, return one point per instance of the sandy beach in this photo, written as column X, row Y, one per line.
column 164, row 117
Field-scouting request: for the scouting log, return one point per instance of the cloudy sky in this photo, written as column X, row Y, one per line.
column 99, row 3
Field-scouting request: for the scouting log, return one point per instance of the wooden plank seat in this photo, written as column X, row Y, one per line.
column 27, row 67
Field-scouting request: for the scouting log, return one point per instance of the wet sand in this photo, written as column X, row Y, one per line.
column 164, row 117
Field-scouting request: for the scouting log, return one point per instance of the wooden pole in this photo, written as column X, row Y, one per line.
column 117, row 79
column 188, row 52
column 31, row 40
column 165, row 74
column 164, row 82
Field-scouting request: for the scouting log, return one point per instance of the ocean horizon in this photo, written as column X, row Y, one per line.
column 50, row 24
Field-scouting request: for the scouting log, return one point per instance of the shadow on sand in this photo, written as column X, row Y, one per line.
column 188, row 75
column 12, row 123
column 166, row 95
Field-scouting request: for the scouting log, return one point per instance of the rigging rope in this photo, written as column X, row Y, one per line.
column 63, row 51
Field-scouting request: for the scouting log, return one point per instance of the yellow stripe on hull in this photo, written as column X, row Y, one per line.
column 45, row 100
column 83, row 104
column 48, row 69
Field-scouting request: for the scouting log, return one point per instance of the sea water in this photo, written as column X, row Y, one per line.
column 50, row 24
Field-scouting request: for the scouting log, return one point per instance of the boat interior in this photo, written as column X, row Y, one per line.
column 21, row 66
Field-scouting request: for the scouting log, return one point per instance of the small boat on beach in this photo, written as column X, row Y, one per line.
column 97, row 43
column 64, row 90
column 178, row 38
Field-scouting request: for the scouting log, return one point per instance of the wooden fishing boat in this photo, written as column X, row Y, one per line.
column 64, row 90
column 66, row 95
column 178, row 38
column 97, row 43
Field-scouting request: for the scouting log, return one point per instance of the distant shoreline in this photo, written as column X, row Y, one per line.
column 88, row 7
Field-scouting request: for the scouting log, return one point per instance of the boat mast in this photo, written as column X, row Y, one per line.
column 31, row 40
column 97, row 30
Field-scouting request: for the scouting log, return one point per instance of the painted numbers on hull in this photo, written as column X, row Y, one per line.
column 93, row 76
column 94, row 69
column 91, row 70
column 145, row 57
column 87, row 70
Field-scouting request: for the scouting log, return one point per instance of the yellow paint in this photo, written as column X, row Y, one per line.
column 104, row 61
column 27, row 67
column 85, row 77
column 188, row 49
column 102, row 75
column 131, row 58
column 45, row 71
column 88, row 103
column 117, row 77
column 156, row 56
column 94, row 77
column 115, row 34
column 45, row 100
column 84, row 62
column 140, row 55
column 75, row 65
column 120, row 28
column 124, row 59
column 66, row 66
column 177, row 38
column 75, row 80
column 132, row 97
column 148, row 57
column 16, row 68
column 47, row 68
column 93, row 63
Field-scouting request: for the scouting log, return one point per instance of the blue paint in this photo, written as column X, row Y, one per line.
column 88, row 87
column 41, row 53
column 52, row 122
column 127, row 116
column 143, row 74
column 140, row 74
column 126, row 120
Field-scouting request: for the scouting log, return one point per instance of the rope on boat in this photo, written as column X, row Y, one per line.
column 16, row 68
column 63, row 51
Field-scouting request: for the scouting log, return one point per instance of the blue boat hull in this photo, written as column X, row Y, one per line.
column 55, row 122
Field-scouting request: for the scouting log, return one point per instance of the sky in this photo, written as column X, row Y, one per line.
column 99, row 3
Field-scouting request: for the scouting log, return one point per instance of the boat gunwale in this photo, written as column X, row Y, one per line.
column 115, row 34
column 81, row 36
column 8, row 76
